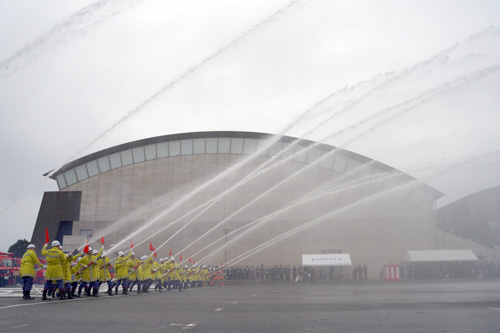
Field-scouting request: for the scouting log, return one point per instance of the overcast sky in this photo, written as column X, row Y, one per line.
column 428, row 101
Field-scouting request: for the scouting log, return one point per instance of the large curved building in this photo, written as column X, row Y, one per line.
column 324, row 199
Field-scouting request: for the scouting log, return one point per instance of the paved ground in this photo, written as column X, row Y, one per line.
column 439, row 306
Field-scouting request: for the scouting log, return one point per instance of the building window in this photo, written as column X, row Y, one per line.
column 86, row 232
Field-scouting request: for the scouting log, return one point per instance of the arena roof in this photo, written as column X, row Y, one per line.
column 223, row 142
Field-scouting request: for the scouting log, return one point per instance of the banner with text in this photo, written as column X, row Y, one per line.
column 338, row 259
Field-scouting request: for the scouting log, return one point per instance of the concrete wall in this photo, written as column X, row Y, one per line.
column 375, row 226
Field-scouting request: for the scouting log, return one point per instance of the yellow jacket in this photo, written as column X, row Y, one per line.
column 67, row 268
column 121, row 267
column 55, row 260
column 147, row 266
column 134, row 270
column 104, row 266
column 196, row 274
column 170, row 270
column 204, row 274
column 177, row 273
column 90, row 273
column 158, row 273
column 28, row 264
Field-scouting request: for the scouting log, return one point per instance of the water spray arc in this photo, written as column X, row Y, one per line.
column 309, row 197
column 192, row 70
column 407, row 105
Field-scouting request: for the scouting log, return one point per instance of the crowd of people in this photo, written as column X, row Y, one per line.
column 273, row 273
column 450, row 270
column 70, row 274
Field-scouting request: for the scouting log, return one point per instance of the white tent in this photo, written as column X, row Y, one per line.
column 338, row 259
column 440, row 256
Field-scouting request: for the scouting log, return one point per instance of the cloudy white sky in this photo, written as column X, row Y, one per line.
column 70, row 70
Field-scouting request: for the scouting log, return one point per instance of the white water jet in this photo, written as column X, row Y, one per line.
column 190, row 71
column 369, row 179
column 77, row 24
column 346, row 129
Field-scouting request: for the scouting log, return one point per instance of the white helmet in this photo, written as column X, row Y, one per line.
column 95, row 252
column 144, row 258
column 56, row 243
column 120, row 253
column 161, row 260
column 31, row 246
column 90, row 249
column 185, row 266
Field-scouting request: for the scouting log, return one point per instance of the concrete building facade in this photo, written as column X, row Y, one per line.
column 243, row 190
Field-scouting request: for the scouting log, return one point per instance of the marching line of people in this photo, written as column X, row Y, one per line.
column 69, row 274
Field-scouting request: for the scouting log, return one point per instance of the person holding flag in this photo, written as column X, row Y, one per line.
column 90, row 269
column 55, row 259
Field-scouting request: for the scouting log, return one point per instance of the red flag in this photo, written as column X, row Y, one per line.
column 151, row 247
column 46, row 236
column 102, row 240
column 190, row 260
column 155, row 254
column 131, row 244
column 193, row 262
column 180, row 258
column 86, row 248
column 170, row 253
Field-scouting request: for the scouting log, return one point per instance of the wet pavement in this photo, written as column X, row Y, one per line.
column 368, row 306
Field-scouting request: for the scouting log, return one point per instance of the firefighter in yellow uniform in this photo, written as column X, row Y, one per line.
column 27, row 270
column 204, row 275
column 164, row 273
column 105, row 275
column 157, row 272
column 121, row 271
column 196, row 276
column 55, row 259
column 189, row 276
column 147, row 277
column 134, row 272
column 74, row 277
column 177, row 275
column 90, row 270
column 68, row 273
column 170, row 273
